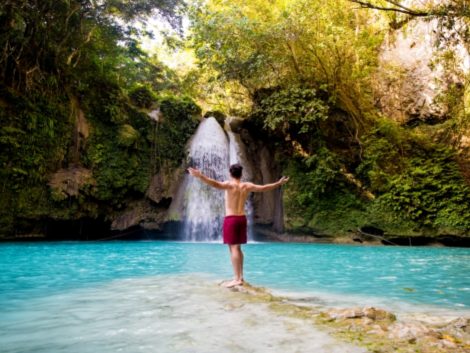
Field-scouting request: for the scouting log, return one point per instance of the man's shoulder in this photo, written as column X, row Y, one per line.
column 243, row 184
column 247, row 184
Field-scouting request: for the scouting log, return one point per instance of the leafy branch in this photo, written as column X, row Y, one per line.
column 456, row 8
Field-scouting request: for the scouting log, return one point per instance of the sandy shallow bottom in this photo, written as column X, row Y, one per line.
column 158, row 314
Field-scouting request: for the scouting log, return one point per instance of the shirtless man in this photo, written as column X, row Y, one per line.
column 234, row 230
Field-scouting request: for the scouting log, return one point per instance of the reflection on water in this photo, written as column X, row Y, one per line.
column 157, row 314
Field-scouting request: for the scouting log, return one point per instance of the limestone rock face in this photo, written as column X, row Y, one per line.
column 267, row 206
column 164, row 185
column 81, row 130
column 150, row 212
column 67, row 182
column 410, row 81
column 139, row 213
column 235, row 123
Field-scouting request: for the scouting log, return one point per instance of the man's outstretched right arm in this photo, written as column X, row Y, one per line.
column 209, row 181
column 267, row 187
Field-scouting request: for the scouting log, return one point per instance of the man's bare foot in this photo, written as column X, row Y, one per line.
column 233, row 283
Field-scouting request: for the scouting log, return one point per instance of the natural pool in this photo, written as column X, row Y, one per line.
column 163, row 296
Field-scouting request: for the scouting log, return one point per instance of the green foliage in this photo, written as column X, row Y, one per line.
column 294, row 105
column 418, row 183
column 119, row 173
column 431, row 193
column 180, row 119
column 299, row 69
column 418, row 186
column 128, row 135
column 121, row 156
column 386, row 148
column 261, row 44
column 34, row 136
column 142, row 97
column 49, row 43
column 64, row 58
column 317, row 198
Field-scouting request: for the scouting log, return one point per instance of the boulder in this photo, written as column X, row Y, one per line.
column 370, row 313
column 459, row 328
column 408, row 330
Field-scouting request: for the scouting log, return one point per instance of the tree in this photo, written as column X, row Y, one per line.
column 450, row 8
column 264, row 45
column 51, row 38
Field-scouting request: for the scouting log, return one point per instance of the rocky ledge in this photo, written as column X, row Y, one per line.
column 378, row 330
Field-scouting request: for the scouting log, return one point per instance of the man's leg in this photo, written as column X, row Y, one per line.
column 236, row 256
column 241, row 262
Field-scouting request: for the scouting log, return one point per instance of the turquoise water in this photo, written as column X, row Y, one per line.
column 163, row 296
column 419, row 276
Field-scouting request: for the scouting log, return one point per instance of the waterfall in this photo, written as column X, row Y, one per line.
column 203, row 207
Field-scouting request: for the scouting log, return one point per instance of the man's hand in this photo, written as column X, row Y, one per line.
column 195, row 172
column 283, row 180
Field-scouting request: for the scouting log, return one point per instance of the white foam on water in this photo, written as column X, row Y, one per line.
column 158, row 314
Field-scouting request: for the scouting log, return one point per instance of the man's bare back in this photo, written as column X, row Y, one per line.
column 236, row 191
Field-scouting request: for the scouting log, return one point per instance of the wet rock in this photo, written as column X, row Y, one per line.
column 365, row 321
column 374, row 328
column 370, row 313
column 458, row 328
column 217, row 115
column 407, row 331
column 377, row 330
column 447, row 344
column 164, row 185
column 462, row 324
column 235, row 123
column 378, row 314
column 341, row 314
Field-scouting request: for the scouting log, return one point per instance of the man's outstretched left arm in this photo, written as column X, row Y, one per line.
column 209, row 181
column 267, row 187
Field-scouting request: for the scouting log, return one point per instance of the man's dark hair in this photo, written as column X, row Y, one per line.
column 236, row 171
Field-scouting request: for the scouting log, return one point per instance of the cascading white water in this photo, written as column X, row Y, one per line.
column 204, row 205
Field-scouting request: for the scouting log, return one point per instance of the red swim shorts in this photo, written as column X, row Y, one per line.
column 235, row 230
